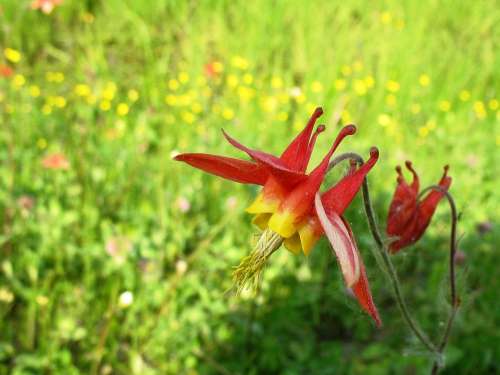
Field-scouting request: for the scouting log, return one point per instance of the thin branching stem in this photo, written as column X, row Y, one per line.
column 454, row 299
column 384, row 253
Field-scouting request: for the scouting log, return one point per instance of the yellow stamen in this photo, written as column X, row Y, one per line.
column 249, row 271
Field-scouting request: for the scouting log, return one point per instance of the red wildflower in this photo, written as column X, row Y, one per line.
column 46, row 6
column 55, row 161
column 408, row 218
column 290, row 203
column 6, row 71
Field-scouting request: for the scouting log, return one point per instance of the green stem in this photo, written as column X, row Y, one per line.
column 454, row 300
column 384, row 253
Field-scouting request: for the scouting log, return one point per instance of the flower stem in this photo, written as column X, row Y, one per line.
column 454, row 299
column 384, row 253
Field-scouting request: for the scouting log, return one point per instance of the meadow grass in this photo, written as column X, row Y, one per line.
column 118, row 259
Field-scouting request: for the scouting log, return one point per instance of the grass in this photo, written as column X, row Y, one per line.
column 118, row 87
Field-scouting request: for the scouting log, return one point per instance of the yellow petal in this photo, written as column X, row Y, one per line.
column 308, row 238
column 261, row 205
column 261, row 220
column 282, row 222
column 293, row 244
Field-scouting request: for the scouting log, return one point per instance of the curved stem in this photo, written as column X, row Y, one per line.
column 455, row 301
column 391, row 271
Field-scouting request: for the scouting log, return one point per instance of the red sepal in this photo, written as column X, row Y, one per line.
column 241, row 171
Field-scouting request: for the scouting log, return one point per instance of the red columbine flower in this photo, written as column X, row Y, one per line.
column 408, row 218
column 290, row 204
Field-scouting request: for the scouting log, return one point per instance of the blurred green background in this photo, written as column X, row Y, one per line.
column 117, row 260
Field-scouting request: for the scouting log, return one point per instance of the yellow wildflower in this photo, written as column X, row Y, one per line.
column 18, row 80
column 423, row 131
column 276, row 83
column 59, row 102
column 239, row 62
column 415, row 108
column 232, row 80
column 464, row 95
column 247, row 78
column 391, row 100
column 479, row 109
column 424, row 80
column 360, row 87
column 444, row 105
column 217, row 66
column 493, row 104
column 346, row 70
column 109, row 91
column 187, row 117
column 12, row 55
column 105, row 105
column 122, row 109
column 171, row 100
column 196, row 108
column 269, row 103
column 133, row 95
column 41, row 143
column 357, row 66
column 183, row 77
column 316, row 86
column 173, row 84
column 386, row 17
column 340, row 84
column 346, row 116
column 34, row 91
column 245, row 93
column 46, row 109
column 91, row 99
column 227, row 113
column 392, row 86
column 82, row 90
column 282, row 116
column 384, row 119
column 369, row 82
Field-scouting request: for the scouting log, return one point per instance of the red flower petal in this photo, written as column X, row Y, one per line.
column 344, row 245
column 275, row 166
column 428, row 205
column 341, row 195
column 296, row 155
column 361, row 289
column 409, row 220
column 301, row 199
column 232, row 169
column 403, row 206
